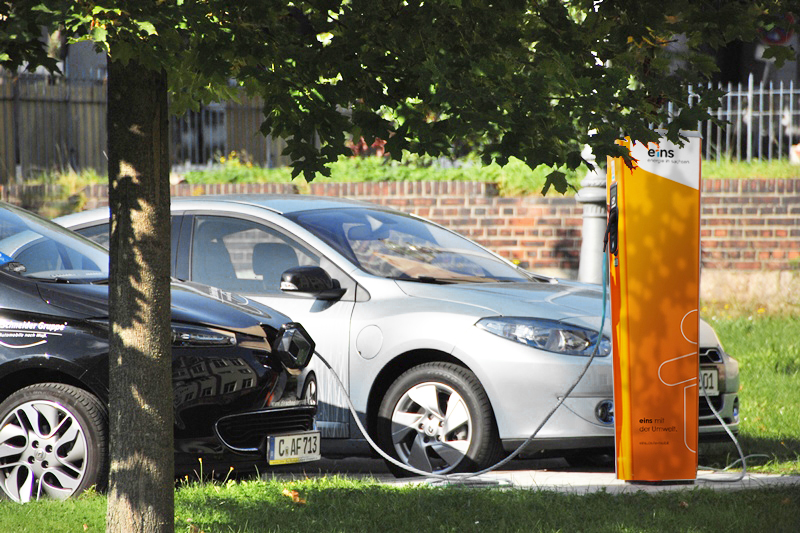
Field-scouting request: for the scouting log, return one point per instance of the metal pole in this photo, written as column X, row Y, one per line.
column 750, row 118
column 593, row 197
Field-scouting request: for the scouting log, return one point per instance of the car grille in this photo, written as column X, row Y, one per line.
column 710, row 355
column 247, row 432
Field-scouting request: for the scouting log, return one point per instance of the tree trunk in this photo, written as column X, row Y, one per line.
column 141, row 492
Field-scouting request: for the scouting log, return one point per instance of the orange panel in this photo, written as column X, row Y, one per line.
column 654, row 286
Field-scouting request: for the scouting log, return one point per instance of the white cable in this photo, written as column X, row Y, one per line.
column 512, row 455
column 742, row 458
column 464, row 476
column 458, row 476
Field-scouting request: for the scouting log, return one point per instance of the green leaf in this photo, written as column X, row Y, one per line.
column 123, row 52
column 147, row 27
column 557, row 180
column 42, row 8
column 99, row 34
column 96, row 10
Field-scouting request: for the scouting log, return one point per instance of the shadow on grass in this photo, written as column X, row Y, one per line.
column 759, row 451
column 337, row 505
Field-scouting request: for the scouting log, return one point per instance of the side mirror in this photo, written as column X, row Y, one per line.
column 311, row 280
column 294, row 347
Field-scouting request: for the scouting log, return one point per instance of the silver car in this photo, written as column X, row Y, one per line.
column 452, row 355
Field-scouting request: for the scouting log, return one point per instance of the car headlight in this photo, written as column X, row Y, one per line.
column 186, row 336
column 549, row 335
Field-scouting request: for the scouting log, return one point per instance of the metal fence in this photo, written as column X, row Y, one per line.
column 55, row 124
column 762, row 122
column 58, row 124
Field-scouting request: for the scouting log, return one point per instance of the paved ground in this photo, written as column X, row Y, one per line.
column 550, row 474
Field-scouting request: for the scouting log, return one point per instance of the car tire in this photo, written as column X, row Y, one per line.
column 53, row 442
column 437, row 418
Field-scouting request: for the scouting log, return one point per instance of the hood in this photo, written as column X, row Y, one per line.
column 572, row 302
column 557, row 300
column 191, row 303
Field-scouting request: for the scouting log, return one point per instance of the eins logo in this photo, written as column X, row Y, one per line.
column 656, row 152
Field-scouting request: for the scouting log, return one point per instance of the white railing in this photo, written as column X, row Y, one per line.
column 761, row 122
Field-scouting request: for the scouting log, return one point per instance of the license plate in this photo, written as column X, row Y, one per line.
column 294, row 448
column 709, row 380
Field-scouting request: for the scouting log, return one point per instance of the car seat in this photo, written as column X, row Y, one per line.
column 270, row 260
column 211, row 261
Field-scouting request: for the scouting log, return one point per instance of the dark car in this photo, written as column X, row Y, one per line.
column 239, row 389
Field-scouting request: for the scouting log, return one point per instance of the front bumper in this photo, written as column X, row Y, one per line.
column 522, row 399
column 247, row 432
column 524, row 384
column 727, row 405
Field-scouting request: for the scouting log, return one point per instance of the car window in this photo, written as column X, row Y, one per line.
column 398, row 246
column 43, row 250
column 242, row 255
column 98, row 234
column 101, row 234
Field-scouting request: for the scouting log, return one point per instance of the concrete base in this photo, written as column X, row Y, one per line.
column 548, row 474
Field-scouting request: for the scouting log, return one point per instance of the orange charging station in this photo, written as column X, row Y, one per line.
column 654, row 271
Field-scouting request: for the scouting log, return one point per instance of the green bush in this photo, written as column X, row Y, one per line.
column 777, row 170
column 513, row 179
column 53, row 194
column 236, row 168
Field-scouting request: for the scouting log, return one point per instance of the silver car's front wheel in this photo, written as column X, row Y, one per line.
column 436, row 418
column 52, row 442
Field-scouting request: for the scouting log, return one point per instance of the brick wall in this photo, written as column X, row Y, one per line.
column 747, row 225
column 751, row 224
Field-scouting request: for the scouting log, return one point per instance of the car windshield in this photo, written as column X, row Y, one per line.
column 37, row 248
column 398, row 246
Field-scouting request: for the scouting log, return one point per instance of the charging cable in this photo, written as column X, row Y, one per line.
column 742, row 457
column 464, row 476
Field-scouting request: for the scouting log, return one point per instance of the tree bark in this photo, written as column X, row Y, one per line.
column 141, row 491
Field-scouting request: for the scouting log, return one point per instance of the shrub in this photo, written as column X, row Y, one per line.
column 513, row 179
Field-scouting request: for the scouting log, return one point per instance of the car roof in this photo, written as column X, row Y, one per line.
column 281, row 203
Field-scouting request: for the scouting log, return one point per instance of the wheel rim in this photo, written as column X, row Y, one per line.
column 43, row 452
column 431, row 427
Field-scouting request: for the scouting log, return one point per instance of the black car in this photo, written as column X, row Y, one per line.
column 238, row 386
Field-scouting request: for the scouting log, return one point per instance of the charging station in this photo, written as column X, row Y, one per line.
column 654, row 283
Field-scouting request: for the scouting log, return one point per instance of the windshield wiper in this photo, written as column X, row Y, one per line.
column 447, row 281
column 53, row 277
column 426, row 279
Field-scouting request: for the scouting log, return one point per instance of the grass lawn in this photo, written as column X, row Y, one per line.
column 768, row 350
column 337, row 504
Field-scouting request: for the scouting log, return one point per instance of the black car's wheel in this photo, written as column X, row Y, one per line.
column 53, row 442
column 437, row 418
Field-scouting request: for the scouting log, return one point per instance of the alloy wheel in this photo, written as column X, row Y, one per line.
column 43, row 452
column 431, row 427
